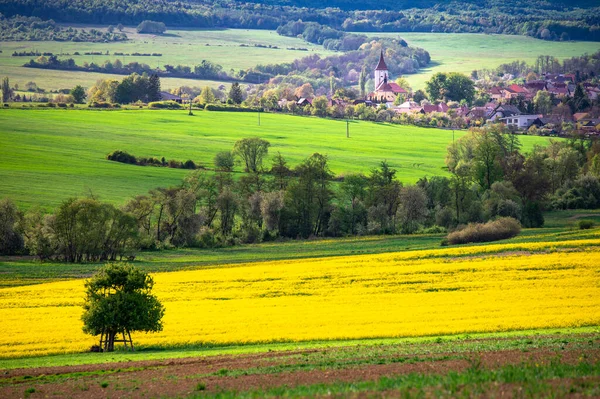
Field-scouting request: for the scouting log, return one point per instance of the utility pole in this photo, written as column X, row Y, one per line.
column 347, row 128
column 259, row 117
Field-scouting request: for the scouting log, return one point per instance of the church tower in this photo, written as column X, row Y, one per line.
column 381, row 72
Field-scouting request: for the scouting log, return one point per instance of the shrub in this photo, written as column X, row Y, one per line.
column 95, row 104
column 224, row 161
column 174, row 164
column 165, row 105
column 230, row 108
column 121, row 156
column 201, row 386
column 499, row 229
column 189, row 164
column 435, row 229
column 148, row 26
column 585, row 224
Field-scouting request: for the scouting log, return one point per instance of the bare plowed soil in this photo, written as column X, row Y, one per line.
column 184, row 377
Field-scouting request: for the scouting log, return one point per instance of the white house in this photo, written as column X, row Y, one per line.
column 520, row 121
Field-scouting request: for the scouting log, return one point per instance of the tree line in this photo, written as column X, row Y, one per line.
column 490, row 178
column 542, row 19
column 204, row 70
column 19, row 28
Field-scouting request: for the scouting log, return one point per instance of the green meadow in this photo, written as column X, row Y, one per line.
column 52, row 154
column 465, row 52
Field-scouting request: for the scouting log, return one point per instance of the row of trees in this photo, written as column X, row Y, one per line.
column 131, row 89
column 80, row 230
column 20, row 28
column 204, row 70
column 489, row 178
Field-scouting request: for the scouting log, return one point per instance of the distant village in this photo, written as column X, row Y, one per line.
column 507, row 105
column 546, row 104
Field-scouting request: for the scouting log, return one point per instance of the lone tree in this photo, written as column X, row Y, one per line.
column 119, row 301
column 235, row 93
column 6, row 90
column 78, row 94
column 252, row 150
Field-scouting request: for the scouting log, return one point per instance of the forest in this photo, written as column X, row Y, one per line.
column 554, row 20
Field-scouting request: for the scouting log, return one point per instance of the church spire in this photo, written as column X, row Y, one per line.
column 381, row 65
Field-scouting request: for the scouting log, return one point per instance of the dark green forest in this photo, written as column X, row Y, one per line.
column 548, row 20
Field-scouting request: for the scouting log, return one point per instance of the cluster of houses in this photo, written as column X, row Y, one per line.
column 497, row 110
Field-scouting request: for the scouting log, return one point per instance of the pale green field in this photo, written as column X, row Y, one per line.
column 51, row 154
column 185, row 47
column 465, row 52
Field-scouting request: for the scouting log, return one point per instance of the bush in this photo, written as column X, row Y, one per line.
column 585, row 224
column 499, row 229
column 174, row 164
column 95, row 104
column 165, row 105
column 435, row 229
column 230, row 108
column 148, row 26
column 189, row 164
column 224, row 161
column 122, row 156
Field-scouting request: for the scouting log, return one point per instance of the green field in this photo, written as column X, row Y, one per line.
column 185, row 47
column 61, row 153
column 465, row 52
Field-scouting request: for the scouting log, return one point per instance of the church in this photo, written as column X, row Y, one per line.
column 385, row 91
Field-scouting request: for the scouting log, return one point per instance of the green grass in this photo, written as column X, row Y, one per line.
column 465, row 52
column 185, row 47
column 519, row 340
column 533, row 379
column 51, row 154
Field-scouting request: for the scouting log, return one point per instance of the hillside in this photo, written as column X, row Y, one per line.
column 554, row 20
column 62, row 153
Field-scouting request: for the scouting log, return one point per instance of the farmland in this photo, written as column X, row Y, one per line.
column 465, row 52
column 408, row 294
column 450, row 52
column 62, row 153
column 185, row 47
column 523, row 307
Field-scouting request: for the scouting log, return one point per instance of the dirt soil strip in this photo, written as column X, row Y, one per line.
column 180, row 377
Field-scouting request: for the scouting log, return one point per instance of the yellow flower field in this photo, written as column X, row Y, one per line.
column 390, row 295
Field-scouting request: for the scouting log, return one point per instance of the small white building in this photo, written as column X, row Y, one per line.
column 520, row 121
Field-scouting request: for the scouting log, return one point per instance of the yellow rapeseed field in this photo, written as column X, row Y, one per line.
column 390, row 295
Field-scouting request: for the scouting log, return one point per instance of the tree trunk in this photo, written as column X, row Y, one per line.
column 111, row 341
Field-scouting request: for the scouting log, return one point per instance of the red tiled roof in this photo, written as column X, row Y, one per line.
column 517, row 89
column 440, row 107
column 381, row 65
column 396, row 88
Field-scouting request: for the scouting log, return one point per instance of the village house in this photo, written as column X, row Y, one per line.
column 303, row 102
column 520, row 121
column 166, row 96
column 438, row 107
column 503, row 111
column 407, row 107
